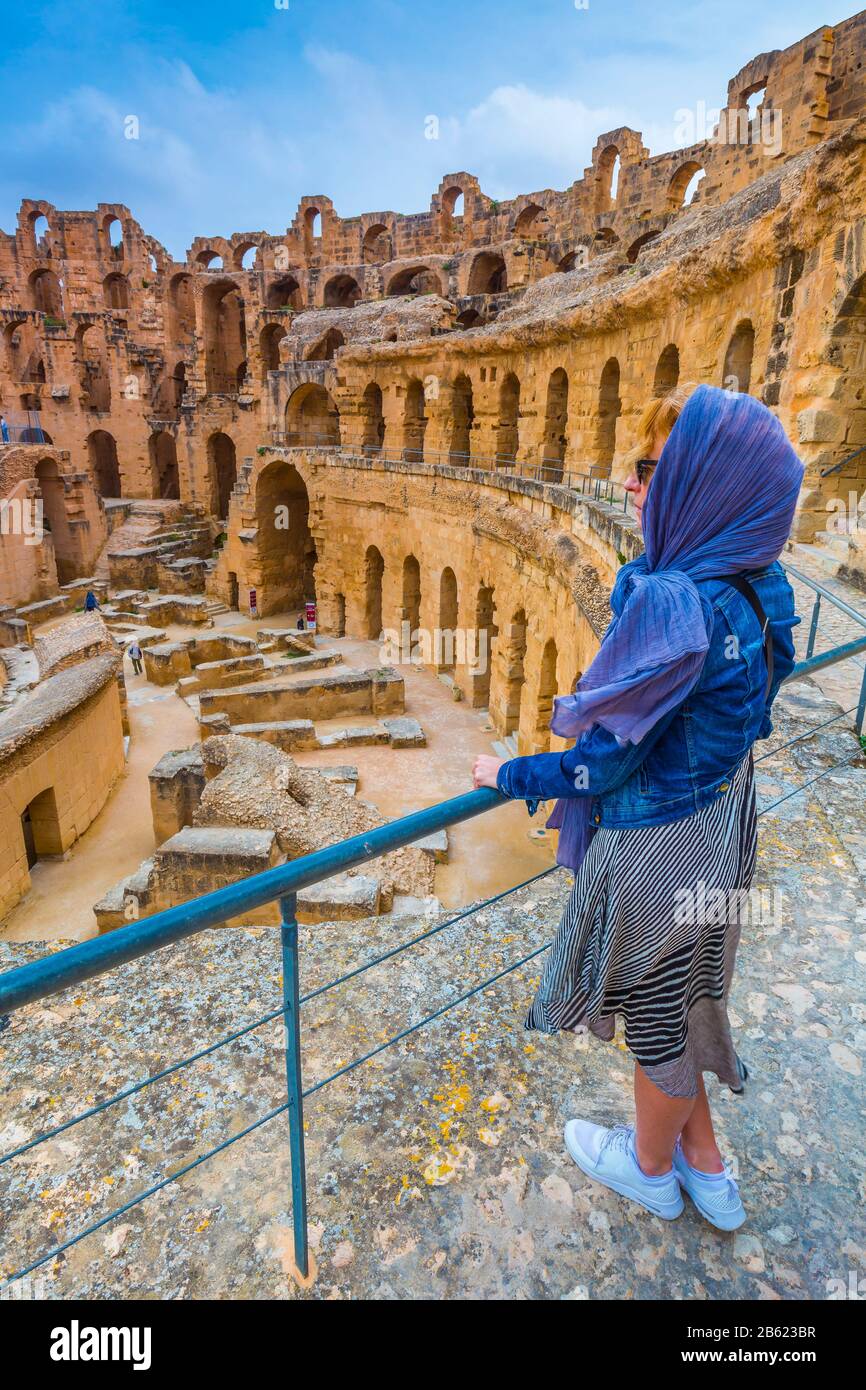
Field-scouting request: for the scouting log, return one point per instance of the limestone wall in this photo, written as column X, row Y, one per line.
column 61, row 750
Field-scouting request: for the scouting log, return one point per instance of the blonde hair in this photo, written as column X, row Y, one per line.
column 658, row 418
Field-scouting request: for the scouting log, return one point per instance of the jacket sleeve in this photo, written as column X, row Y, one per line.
column 594, row 765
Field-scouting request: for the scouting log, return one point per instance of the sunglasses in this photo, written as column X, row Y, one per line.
column 644, row 470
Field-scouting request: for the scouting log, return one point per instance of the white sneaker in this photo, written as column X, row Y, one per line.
column 608, row 1156
column 715, row 1195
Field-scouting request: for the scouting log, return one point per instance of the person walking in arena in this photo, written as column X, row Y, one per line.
column 655, row 800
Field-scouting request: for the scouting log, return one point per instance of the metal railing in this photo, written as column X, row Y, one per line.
column 819, row 661
column 27, row 984
column 593, row 482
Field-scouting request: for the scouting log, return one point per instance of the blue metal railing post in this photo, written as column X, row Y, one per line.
column 861, row 707
column 294, row 1088
column 813, row 626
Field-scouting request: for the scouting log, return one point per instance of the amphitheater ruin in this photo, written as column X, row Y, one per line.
column 412, row 431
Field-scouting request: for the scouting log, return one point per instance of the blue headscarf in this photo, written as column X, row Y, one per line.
column 721, row 502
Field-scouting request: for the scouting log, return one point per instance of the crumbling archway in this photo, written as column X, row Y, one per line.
column 222, row 472
column 555, row 424
column 372, row 419
column 283, row 539
column 488, row 274
column 225, row 337
column 667, row 372
column 414, row 279
column 447, row 641
column 411, row 611
column 609, row 407
column 164, row 475
column 737, row 370
column 507, row 429
column 341, row 292
column 104, row 467
column 374, row 569
column 312, row 417
column 462, row 416
column 414, row 422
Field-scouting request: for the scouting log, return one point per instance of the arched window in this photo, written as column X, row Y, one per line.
column 372, row 419
column 312, row 418
column 555, row 425
column 684, row 185
column 414, row 423
column 462, row 416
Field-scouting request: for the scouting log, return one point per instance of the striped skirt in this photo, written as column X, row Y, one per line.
column 650, row 932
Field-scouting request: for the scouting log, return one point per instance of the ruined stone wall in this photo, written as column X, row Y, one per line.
column 61, row 750
column 163, row 378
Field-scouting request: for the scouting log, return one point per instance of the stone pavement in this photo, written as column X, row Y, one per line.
column 437, row 1170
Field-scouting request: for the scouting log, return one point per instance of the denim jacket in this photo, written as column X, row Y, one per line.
column 687, row 760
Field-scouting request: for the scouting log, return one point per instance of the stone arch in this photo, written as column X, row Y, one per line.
column 374, row 570
column 607, row 178
column 667, row 372
column 222, row 472
column 377, row 247
column 609, row 407
column 411, row 610
column 46, row 296
column 34, row 370
column 531, row 223
column 164, row 475
column 488, row 274
column 225, row 337
column 284, row 293
column 284, row 542
column 323, row 350
column 312, row 228
column 341, row 292
column 372, row 419
column 269, row 347
column 547, row 689
column 637, row 246
column 240, row 253
column 414, row 422
column 92, row 364
column 515, row 676
column 112, row 235
column 208, row 259
column 115, row 287
column 181, row 300
column 470, row 318
column 446, row 646
column 104, row 467
column 604, row 239
column 555, row 424
column 507, row 429
column 53, row 493
column 414, row 279
column 683, row 187
column 312, row 417
column 737, row 369
column 485, row 632
column 462, row 416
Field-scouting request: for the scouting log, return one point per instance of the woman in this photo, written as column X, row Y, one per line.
column 656, row 804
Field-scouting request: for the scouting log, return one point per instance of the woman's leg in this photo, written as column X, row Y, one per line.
column 698, row 1137
column 660, row 1120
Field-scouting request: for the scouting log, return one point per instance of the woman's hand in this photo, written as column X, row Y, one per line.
column 484, row 770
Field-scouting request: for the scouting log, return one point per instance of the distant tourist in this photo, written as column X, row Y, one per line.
column 135, row 657
column 656, row 798
column 301, row 623
column 90, row 601
column 4, row 429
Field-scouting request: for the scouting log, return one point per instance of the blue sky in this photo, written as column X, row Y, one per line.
column 243, row 107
